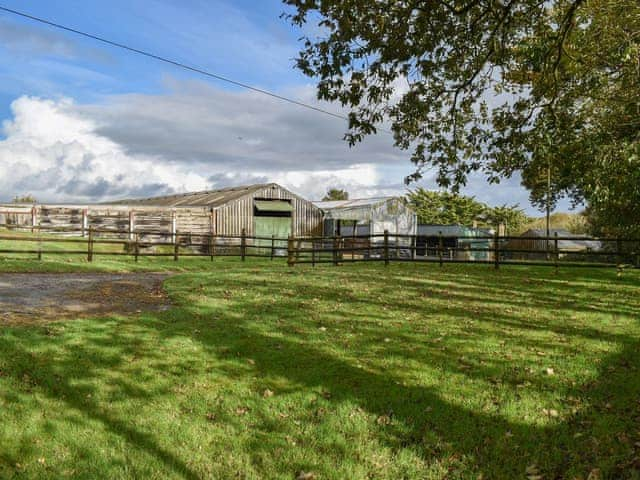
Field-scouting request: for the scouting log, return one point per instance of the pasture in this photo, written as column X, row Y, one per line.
column 262, row 371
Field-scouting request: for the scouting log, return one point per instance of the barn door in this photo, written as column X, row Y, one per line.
column 280, row 227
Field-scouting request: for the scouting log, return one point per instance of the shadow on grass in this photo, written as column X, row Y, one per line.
column 598, row 434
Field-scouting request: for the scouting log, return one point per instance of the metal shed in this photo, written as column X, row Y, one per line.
column 368, row 216
column 458, row 241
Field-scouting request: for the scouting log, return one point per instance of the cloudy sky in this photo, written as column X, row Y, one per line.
column 85, row 122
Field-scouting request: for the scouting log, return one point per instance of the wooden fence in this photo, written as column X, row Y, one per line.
column 495, row 250
column 554, row 251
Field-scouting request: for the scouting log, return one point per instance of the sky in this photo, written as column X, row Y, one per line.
column 84, row 122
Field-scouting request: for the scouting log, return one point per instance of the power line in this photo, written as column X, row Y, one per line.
column 174, row 63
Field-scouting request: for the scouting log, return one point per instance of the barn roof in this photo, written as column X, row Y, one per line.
column 206, row 198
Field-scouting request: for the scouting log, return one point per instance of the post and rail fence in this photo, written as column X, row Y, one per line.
column 554, row 251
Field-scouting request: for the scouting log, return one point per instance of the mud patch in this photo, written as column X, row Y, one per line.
column 37, row 298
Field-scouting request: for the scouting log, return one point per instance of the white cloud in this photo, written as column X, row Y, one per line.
column 56, row 154
column 55, row 150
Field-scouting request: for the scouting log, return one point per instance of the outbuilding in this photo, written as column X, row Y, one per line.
column 264, row 210
column 368, row 216
column 457, row 241
column 535, row 245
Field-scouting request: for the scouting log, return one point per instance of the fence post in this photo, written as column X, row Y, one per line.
column 413, row 247
column 440, row 246
column 496, row 249
column 313, row 252
column 556, row 254
column 243, row 244
column 136, row 247
column 273, row 244
column 176, row 246
column 335, row 250
column 39, row 245
column 619, row 252
column 290, row 253
column 90, row 245
column 386, row 248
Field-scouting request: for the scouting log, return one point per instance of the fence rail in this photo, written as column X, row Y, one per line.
column 387, row 247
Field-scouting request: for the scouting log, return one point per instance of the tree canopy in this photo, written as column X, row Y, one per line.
column 446, row 208
column 497, row 86
column 335, row 194
column 24, row 199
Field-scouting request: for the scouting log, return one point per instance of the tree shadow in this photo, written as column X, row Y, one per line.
column 234, row 318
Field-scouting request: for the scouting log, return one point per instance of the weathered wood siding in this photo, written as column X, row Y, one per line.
column 233, row 217
column 228, row 219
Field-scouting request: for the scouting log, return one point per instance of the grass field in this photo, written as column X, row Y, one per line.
column 358, row 372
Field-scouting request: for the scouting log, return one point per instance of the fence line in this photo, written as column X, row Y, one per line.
column 386, row 247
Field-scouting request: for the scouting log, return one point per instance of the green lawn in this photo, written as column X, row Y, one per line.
column 353, row 372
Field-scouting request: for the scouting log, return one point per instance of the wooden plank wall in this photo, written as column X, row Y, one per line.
column 231, row 218
column 228, row 219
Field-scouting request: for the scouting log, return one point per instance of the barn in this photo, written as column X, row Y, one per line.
column 263, row 210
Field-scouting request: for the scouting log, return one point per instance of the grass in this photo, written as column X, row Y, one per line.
column 361, row 371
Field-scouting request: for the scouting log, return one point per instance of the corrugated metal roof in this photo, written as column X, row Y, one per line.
column 207, row 198
column 450, row 231
column 355, row 203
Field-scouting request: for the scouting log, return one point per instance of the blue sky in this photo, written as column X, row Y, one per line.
column 241, row 39
column 83, row 121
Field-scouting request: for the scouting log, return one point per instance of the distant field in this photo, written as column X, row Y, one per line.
column 361, row 371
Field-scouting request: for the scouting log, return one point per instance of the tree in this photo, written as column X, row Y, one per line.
column 498, row 86
column 335, row 194
column 24, row 199
column 512, row 217
column 444, row 208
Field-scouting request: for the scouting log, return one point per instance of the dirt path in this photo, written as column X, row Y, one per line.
column 34, row 298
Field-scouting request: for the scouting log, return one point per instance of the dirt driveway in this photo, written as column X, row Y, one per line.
column 34, row 298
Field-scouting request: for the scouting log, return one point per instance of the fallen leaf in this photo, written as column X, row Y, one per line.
column 383, row 420
column 242, row 410
column 594, row 474
column 211, row 417
column 533, row 473
column 306, row 476
column 267, row 393
column 549, row 371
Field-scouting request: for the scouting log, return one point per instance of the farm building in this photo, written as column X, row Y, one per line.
column 261, row 210
column 536, row 241
column 458, row 242
column 368, row 216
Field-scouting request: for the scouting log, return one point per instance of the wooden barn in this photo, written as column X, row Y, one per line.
column 260, row 210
